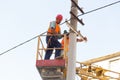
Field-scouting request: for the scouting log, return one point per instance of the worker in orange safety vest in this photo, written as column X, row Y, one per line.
column 67, row 41
column 67, row 48
column 53, row 34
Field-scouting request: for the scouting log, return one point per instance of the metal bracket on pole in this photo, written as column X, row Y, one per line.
column 80, row 21
column 78, row 7
column 77, row 33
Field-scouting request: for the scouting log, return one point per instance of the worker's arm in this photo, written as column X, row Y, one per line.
column 80, row 40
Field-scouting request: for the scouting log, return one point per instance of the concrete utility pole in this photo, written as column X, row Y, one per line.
column 71, row 70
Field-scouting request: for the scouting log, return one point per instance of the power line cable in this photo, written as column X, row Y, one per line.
column 95, row 10
column 60, row 24
column 100, row 8
column 21, row 44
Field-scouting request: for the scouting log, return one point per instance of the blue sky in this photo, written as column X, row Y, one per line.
column 21, row 20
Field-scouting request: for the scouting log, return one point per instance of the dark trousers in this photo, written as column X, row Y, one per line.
column 52, row 42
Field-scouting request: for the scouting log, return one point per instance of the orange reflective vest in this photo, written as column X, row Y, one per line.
column 56, row 28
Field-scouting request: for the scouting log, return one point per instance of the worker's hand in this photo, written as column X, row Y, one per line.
column 80, row 40
column 85, row 38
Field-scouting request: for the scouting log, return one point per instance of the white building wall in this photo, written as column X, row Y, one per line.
column 112, row 64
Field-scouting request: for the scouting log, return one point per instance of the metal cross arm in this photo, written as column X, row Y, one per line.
column 78, row 7
column 79, row 20
column 76, row 32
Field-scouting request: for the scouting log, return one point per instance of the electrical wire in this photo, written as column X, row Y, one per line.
column 95, row 10
column 60, row 24
column 100, row 8
column 21, row 44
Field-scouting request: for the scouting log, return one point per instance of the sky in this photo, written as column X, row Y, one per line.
column 21, row 20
